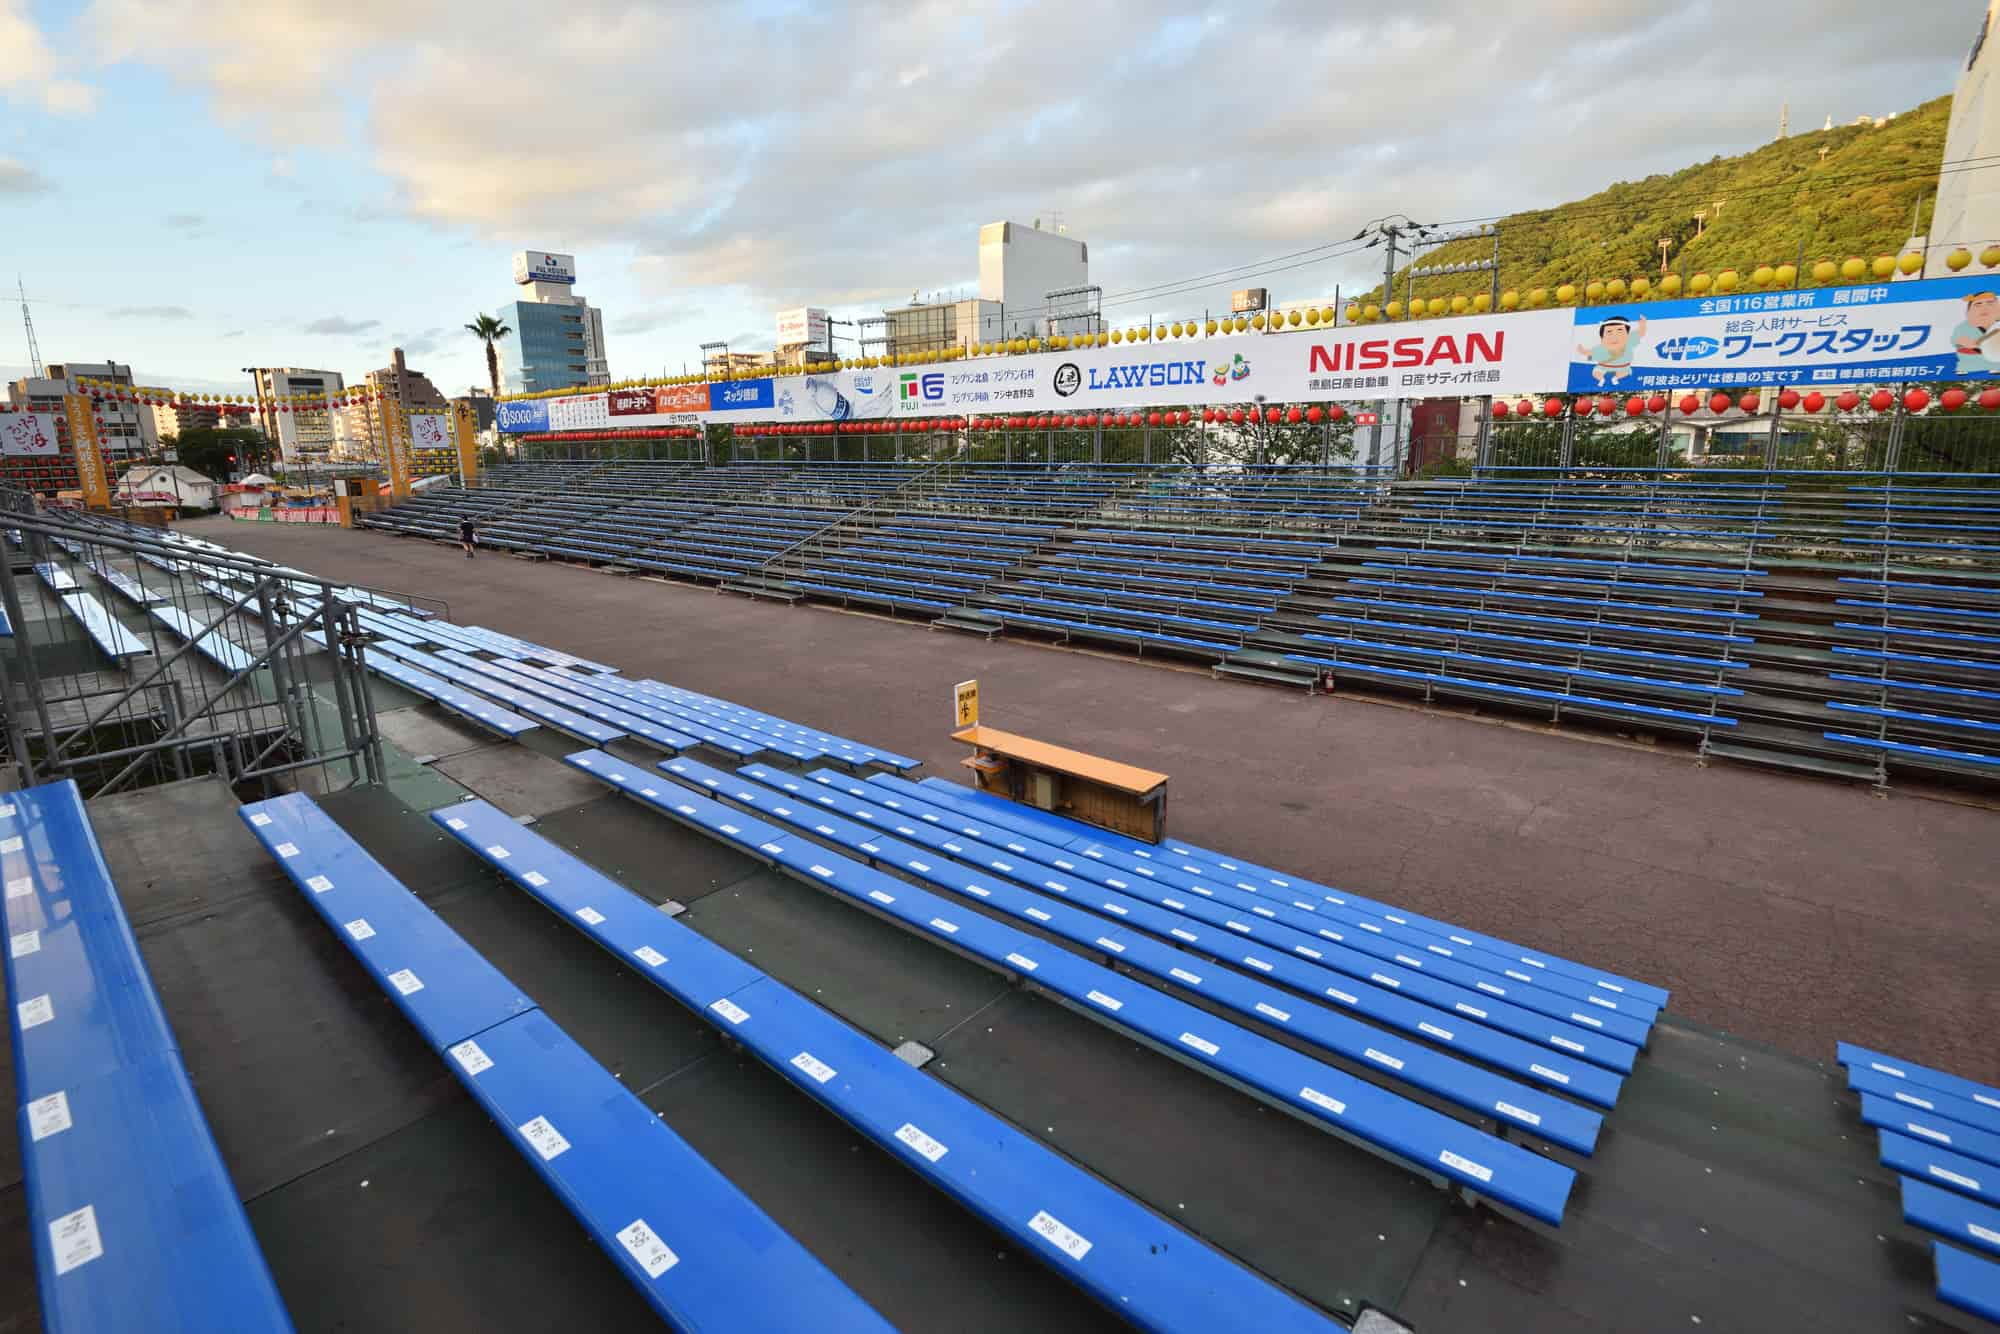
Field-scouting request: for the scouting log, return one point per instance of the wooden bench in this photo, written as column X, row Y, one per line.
column 1120, row 797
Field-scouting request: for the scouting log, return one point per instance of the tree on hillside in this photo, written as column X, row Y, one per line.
column 486, row 328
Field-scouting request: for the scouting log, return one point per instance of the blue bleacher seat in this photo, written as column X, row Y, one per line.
column 1916, row 1076
column 1950, row 1214
column 117, row 642
column 1922, row 1098
column 1167, row 952
column 1887, row 1113
column 135, row 1223
column 1913, row 750
column 225, row 654
column 698, row 1250
column 1442, row 1147
column 1967, row 1281
column 1083, row 836
column 1939, row 1166
column 1117, row 1250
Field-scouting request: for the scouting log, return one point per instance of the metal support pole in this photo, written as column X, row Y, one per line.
column 1892, row 457
column 1771, row 437
column 1567, row 458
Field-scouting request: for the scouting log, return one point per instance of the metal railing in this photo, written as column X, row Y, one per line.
column 137, row 658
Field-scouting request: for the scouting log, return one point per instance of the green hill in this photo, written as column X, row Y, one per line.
column 1779, row 203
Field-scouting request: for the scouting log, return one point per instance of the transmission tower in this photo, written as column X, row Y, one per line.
column 28, row 322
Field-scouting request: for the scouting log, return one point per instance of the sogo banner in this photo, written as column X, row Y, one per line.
column 1935, row 329
column 1939, row 329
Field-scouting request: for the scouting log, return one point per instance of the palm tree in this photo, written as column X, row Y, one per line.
column 486, row 328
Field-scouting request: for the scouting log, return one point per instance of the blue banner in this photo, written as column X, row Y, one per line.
column 740, row 396
column 527, row 414
column 1934, row 329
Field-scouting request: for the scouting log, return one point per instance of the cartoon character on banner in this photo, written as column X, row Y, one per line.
column 23, row 434
column 1977, row 339
column 427, row 431
column 1617, row 339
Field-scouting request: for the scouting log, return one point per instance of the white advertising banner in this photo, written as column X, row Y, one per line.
column 27, row 433
column 430, row 430
column 582, row 412
column 805, row 326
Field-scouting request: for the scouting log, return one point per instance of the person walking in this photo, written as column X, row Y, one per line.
column 466, row 536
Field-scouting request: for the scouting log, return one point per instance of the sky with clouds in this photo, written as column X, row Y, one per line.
column 194, row 186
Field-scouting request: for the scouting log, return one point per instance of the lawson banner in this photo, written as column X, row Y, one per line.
column 1469, row 356
column 1937, row 329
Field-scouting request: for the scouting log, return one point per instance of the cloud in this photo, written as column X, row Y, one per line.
column 651, row 319
column 18, row 179
column 234, row 333
column 185, row 222
column 340, row 326
column 425, row 344
column 152, row 313
column 29, row 70
column 1141, row 135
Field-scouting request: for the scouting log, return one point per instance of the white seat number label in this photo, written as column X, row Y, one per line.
column 48, row 1116
column 644, row 1245
column 545, row 1138
column 1066, row 1240
column 922, row 1143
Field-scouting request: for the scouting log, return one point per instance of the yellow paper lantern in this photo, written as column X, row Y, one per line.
column 1593, row 290
column 1615, row 289
column 1353, row 312
column 1394, row 310
column 1117, row 335
column 1787, row 275
column 1640, row 286
column 1460, row 304
column 1034, row 345
column 1257, row 321
column 1883, row 266
column 1763, row 276
column 1209, row 328
column 1438, row 305
column 1824, row 271
column 1370, row 314
column 1241, row 324
column 1145, row 333
column 1990, row 256
column 1566, row 294
column 1700, row 283
column 1958, row 259
column 1482, row 303
column 1292, row 317
column 1910, row 261
column 1854, row 268
column 1726, row 281
column 1326, row 314
column 1103, row 338
column 1510, row 300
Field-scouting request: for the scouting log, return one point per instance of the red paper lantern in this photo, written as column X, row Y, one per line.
column 1207, row 415
column 1499, row 408
column 1788, row 399
column 1335, row 413
column 1236, row 416
column 1185, row 416
column 1718, row 402
column 1916, row 400
column 1951, row 400
column 1635, row 406
column 1989, row 399
column 1750, row 402
column 1813, row 401
column 1294, row 416
column 1657, row 403
column 1271, row 415
column 1585, row 406
column 1314, row 413
column 1153, row 419
column 1881, row 400
column 1688, row 403
column 1607, row 407
column 1847, row 401
column 1552, row 407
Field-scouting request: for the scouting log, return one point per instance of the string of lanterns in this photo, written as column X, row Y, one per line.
column 107, row 391
column 1718, row 403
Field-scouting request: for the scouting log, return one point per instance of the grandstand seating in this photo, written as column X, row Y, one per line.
column 1941, row 1134
column 135, row 1222
column 1823, row 623
column 1117, row 1250
column 698, row 1250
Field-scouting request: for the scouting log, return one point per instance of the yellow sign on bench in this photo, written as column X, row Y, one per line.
column 1119, row 797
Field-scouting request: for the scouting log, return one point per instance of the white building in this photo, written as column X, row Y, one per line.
column 1019, row 265
column 1967, row 213
column 166, row 485
column 303, row 435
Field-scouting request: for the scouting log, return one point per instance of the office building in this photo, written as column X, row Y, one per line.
column 304, row 436
column 555, row 338
column 1032, row 284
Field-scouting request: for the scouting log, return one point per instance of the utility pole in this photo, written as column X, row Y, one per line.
column 1388, row 231
column 1666, row 244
